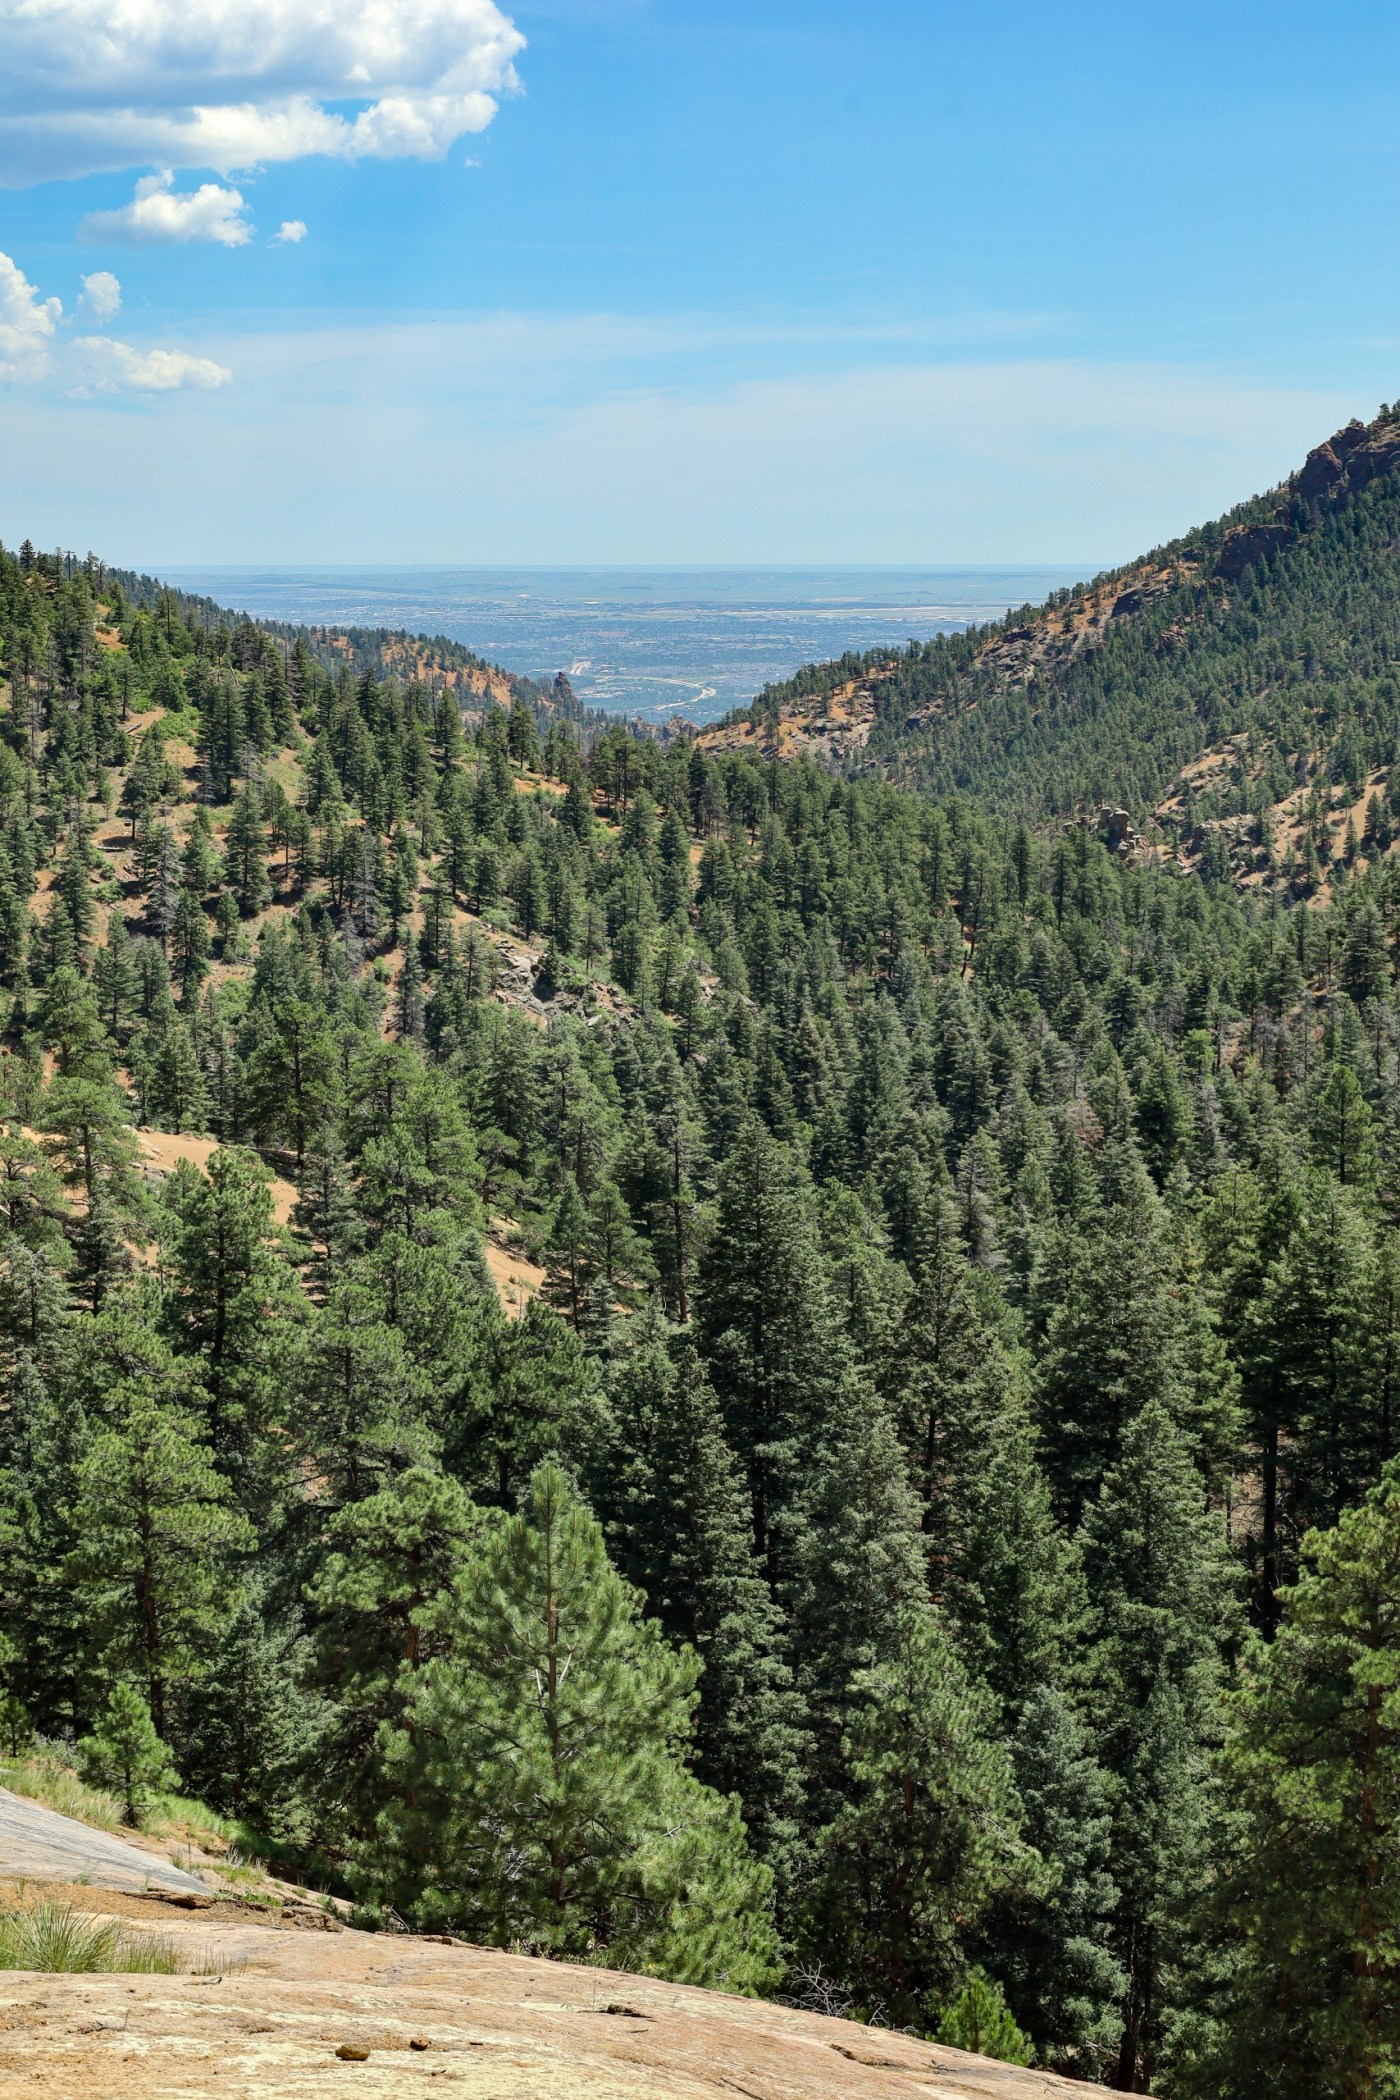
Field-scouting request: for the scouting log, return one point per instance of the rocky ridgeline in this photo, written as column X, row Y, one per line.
column 1334, row 471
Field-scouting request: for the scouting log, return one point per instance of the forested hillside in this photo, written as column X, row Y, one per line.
column 388, row 652
column 1264, row 644
column 927, row 1547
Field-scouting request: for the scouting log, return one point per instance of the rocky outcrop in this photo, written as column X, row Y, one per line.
column 1248, row 544
column 266, row 2013
column 1349, row 462
column 1116, row 831
column 1334, row 471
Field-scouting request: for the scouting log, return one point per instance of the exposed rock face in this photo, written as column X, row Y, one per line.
column 1340, row 467
column 1116, row 831
column 831, row 726
column 1348, row 462
column 268, row 2014
column 1246, row 544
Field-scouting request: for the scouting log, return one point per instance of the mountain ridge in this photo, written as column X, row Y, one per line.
column 1107, row 692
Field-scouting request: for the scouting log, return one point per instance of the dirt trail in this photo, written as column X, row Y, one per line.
column 272, row 2009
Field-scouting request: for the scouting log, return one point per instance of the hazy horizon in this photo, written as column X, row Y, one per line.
column 652, row 640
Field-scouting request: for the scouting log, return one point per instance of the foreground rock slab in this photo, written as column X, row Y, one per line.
column 279, row 2013
column 38, row 1845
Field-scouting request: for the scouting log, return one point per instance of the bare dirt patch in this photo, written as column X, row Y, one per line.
column 517, row 1280
column 164, row 1151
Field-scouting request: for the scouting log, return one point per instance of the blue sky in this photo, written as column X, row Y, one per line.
column 655, row 280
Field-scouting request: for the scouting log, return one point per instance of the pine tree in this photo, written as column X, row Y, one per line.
column 246, row 854
column 928, row 1836
column 157, row 1541
column 860, row 1572
column 768, row 1335
column 254, row 1730
column 379, row 1594
column 1115, row 1343
column 363, row 1410
column 1343, row 1130
column 676, row 1518
column 548, row 1803
column 1154, row 1558
column 190, row 943
column 231, row 1299
column 1309, row 1902
column 125, row 1753
column 175, row 1092
column 571, row 1258
column 1016, row 1588
column 543, row 1401
column 980, row 2021
column 1051, row 1946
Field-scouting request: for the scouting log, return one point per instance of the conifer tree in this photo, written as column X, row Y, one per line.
column 157, row 1543
column 979, row 2020
column 929, row 1833
column 548, row 1803
column 1310, row 1894
column 379, row 1596
column 767, row 1332
column 1051, row 1945
column 254, row 1730
column 125, row 1753
column 231, row 1291
column 676, row 1518
column 246, row 854
column 1159, row 1586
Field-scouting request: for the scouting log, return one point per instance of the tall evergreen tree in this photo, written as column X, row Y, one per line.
column 564, row 1710
column 1308, row 1903
column 1159, row 1585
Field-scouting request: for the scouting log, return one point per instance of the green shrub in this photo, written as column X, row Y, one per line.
column 979, row 2019
column 125, row 1754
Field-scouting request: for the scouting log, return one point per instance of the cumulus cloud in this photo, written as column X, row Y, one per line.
column 291, row 231
column 104, row 366
column 88, row 87
column 102, row 296
column 93, row 364
column 27, row 325
column 160, row 216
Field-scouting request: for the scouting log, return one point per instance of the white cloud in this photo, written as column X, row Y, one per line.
column 102, row 296
column 97, row 364
column 27, row 325
column 159, row 216
column 88, row 86
column 104, row 366
column 596, row 438
column 290, row 232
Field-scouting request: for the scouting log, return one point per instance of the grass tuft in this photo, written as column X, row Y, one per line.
column 56, row 1939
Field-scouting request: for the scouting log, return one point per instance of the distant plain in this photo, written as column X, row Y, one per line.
column 649, row 642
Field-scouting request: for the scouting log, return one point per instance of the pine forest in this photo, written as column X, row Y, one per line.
column 765, row 1357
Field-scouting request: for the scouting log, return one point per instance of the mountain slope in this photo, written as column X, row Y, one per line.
column 435, row 661
column 1278, row 624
